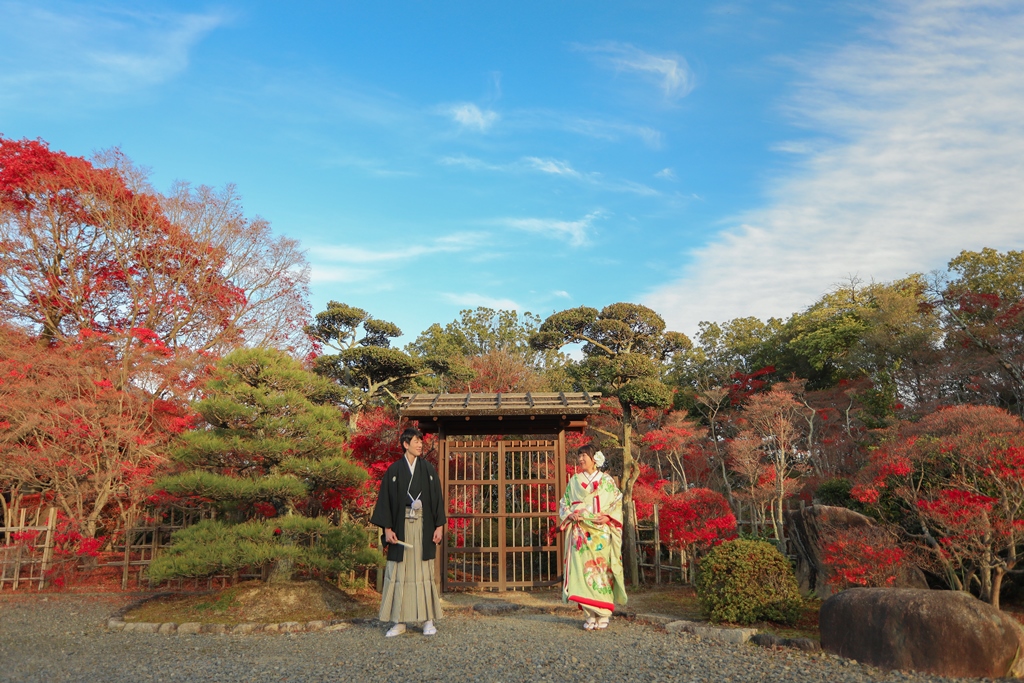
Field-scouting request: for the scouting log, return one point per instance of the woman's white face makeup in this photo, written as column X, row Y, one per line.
column 586, row 463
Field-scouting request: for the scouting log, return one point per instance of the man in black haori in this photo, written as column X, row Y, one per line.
column 410, row 510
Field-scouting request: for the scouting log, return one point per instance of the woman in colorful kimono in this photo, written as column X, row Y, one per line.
column 591, row 515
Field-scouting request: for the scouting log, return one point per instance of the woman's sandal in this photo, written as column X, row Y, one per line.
column 602, row 623
column 590, row 624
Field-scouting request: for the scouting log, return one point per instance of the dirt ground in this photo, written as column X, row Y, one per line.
column 313, row 600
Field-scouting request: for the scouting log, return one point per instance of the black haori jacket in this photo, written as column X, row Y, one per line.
column 389, row 512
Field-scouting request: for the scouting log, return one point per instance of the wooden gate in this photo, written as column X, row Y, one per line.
column 502, row 499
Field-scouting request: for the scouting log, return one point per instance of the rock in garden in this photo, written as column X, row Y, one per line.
column 810, row 529
column 338, row 627
column 728, row 635
column 939, row 632
column 681, row 626
column 767, row 640
column 805, row 644
column 496, row 607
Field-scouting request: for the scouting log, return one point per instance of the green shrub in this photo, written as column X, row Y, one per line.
column 745, row 581
column 308, row 544
column 835, row 492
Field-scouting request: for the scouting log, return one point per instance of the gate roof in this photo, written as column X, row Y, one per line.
column 529, row 413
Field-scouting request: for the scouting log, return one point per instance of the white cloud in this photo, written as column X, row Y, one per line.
column 474, row 300
column 321, row 274
column 471, row 163
column 470, row 116
column 795, row 147
column 554, row 167
column 606, row 130
column 399, row 252
column 561, row 294
column 670, row 72
column 925, row 160
column 577, row 233
column 374, row 167
column 666, row 174
column 73, row 52
column 564, row 169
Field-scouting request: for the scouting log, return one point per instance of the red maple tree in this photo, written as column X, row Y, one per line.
column 72, row 430
column 957, row 479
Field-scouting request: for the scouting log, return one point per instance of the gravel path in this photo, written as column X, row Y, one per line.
column 62, row 638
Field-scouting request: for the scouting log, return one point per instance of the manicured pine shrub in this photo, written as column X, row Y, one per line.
column 270, row 452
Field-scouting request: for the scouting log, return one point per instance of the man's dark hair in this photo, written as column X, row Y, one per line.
column 408, row 436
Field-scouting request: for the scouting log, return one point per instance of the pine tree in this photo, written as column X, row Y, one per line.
column 269, row 455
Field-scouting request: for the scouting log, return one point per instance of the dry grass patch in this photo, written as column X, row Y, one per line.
column 672, row 601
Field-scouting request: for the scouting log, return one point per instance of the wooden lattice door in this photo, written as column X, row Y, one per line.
column 502, row 505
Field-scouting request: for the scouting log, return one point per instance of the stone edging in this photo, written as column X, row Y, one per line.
column 728, row 635
column 117, row 624
column 772, row 640
column 738, row 636
column 734, row 635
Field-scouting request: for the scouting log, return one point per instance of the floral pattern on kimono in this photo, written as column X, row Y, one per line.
column 592, row 573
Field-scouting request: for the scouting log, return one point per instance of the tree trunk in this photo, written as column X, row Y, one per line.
column 7, row 514
column 630, row 473
column 997, row 586
column 985, row 578
column 282, row 570
column 721, row 460
column 776, row 506
column 947, row 568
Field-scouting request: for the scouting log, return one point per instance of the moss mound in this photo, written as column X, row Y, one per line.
column 258, row 602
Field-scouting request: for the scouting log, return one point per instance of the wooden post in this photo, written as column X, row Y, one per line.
column 154, row 547
column 657, row 547
column 17, row 566
column 51, row 527
column 502, row 517
column 17, row 553
column 127, row 555
column 441, row 561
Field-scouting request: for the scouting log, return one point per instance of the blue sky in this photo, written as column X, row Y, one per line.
column 709, row 159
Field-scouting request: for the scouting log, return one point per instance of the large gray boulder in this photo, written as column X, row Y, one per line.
column 939, row 632
column 809, row 532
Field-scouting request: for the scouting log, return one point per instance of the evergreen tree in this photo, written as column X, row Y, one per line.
column 625, row 347
column 366, row 369
column 268, row 458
